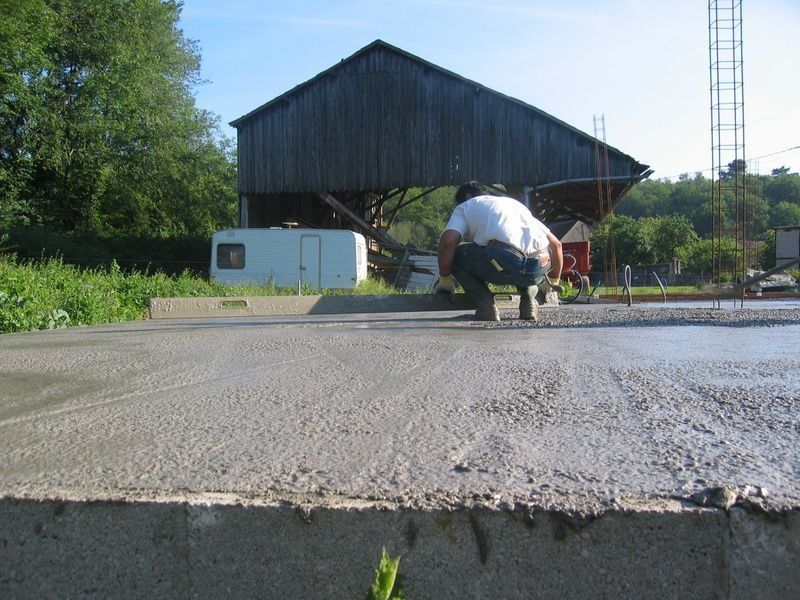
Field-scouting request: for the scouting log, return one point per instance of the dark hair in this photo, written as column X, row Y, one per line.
column 469, row 190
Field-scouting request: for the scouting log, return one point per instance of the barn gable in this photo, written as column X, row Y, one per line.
column 385, row 120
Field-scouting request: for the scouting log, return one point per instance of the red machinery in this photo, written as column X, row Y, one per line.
column 580, row 250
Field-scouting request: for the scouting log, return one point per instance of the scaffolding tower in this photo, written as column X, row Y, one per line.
column 729, row 200
column 602, row 175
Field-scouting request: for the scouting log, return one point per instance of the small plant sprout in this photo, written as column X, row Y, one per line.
column 387, row 585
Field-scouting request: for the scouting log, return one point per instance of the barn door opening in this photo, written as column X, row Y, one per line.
column 310, row 260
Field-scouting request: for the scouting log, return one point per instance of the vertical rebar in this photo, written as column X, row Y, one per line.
column 603, row 178
column 730, row 211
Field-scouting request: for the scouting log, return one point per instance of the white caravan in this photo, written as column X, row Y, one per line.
column 319, row 258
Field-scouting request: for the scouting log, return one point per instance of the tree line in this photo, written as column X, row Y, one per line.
column 99, row 131
column 661, row 220
column 774, row 200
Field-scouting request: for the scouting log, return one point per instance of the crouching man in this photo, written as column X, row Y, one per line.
column 505, row 245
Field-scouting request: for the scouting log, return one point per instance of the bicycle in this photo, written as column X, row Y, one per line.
column 573, row 280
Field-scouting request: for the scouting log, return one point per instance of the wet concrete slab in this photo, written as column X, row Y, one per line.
column 593, row 415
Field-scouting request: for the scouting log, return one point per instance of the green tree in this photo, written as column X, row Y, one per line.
column 647, row 199
column 642, row 241
column 421, row 222
column 629, row 242
column 416, row 235
column 691, row 197
column 734, row 168
column 784, row 214
column 666, row 235
column 26, row 29
column 107, row 134
column 784, row 187
column 759, row 208
column 766, row 252
column 696, row 257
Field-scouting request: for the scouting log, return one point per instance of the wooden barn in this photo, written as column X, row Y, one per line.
column 333, row 150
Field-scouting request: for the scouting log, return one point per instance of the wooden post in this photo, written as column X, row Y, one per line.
column 396, row 210
column 380, row 236
column 244, row 211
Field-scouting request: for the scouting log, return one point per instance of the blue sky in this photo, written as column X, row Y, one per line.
column 644, row 64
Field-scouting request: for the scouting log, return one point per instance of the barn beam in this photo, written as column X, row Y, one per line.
column 403, row 204
column 388, row 196
column 381, row 237
column 394, row 212
column 548, row 213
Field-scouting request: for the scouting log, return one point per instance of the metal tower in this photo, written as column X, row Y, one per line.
column 729, row 202
column 602, row 175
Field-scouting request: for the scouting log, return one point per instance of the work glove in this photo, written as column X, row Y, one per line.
column 445, row 284
column 553, row 284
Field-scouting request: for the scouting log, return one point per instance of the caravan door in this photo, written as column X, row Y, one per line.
column 310, row 260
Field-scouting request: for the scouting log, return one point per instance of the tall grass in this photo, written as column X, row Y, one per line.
column 50, row 294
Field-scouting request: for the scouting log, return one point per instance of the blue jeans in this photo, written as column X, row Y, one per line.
column 475, row 266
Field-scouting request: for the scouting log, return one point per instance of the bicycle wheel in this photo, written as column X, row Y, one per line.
column 573, row 287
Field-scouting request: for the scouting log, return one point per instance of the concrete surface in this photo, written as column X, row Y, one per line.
column 644, row 452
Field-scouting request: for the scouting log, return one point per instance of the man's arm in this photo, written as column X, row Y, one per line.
column 556, row 258
column 447, row 250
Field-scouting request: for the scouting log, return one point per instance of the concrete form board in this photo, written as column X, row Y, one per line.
column 79, row 549
column 276, row 306
column 258, row 306
column 475, row 554
column 764, row 555
column 181, row 550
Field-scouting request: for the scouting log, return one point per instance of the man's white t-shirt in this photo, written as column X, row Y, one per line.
column 486, row 218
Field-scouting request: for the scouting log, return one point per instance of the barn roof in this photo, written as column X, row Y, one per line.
column 384, row 119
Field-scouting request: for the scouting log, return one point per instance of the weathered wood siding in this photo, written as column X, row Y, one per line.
column 382, row 120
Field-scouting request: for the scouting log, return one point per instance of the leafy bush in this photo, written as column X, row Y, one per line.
column 696, row 257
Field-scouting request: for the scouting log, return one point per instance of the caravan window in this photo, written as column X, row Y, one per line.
column 230, row 256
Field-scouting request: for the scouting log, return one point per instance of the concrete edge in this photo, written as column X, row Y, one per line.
column 119, row 549
column 282, row 306
column 265, row 306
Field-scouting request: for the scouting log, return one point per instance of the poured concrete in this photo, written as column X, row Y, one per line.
column 270, row 456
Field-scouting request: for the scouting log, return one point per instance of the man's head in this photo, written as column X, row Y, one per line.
column 469, row 190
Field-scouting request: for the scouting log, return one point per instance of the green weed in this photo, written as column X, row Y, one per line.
column 387, row 585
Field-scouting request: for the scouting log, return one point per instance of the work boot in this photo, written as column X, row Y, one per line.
column 528, row 306
column 487, row 313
